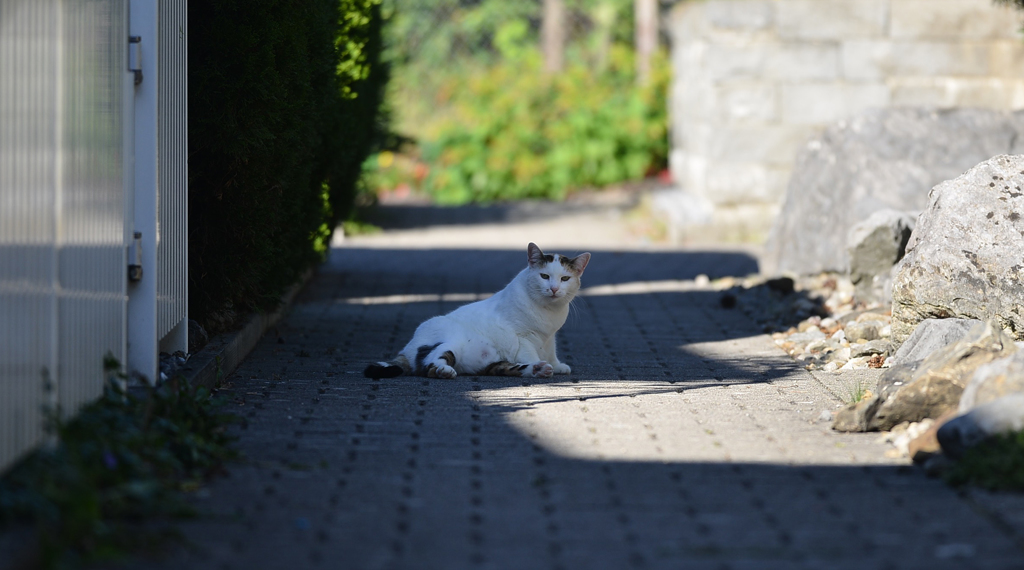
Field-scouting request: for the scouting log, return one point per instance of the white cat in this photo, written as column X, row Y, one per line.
column 509, row 334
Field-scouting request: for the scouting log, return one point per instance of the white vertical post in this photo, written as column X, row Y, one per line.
column 142, row 305
column 127, row 169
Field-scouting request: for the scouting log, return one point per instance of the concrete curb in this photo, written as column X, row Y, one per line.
column 222, row 355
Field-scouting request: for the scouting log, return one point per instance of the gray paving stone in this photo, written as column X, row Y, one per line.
column 684, row 438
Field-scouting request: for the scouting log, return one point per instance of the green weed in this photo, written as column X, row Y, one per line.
column 117, row 473
column 857, row 391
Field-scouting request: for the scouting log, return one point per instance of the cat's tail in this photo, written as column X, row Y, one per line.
column 397, row 367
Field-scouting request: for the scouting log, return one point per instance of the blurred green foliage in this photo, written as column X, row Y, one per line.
column 283, row 110
column 469, row 86
column 516, row 132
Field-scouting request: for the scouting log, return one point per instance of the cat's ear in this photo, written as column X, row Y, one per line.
column 534, row 255
column 580, row 262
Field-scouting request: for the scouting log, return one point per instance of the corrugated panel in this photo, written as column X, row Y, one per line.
column 172, row 247
column 62, row 287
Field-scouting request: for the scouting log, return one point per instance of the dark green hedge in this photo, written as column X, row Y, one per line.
column 283, row 100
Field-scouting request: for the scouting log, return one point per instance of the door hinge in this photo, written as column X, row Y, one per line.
column 135, row 57
column 135, row 269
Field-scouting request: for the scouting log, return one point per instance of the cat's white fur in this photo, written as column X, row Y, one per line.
column 516, row 325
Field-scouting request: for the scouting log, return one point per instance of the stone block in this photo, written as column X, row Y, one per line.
column 773, row 144
column 984, row 93
column 937, row 58
column 689, row 170
column 746, row 15
column 925, row 92
column 1006, row 58
column 866, row 59
column 747, row 103
column 821, row 104
column 686, row 22
column 694, row 102
column 695, row 139
column 738, row 182
column 739, row 223
column 952, row 19
column 729, row 183
column 730, row 62
column 768, row 60
column 831, row 19
column 800, row 62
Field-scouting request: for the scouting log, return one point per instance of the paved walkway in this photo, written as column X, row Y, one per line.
column 683, row 439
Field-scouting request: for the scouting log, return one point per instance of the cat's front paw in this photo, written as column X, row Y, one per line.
column 440, row 371
column 541, row 370
column 561, row 368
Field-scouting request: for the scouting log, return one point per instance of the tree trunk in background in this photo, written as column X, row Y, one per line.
column 553, row 35
column 646, row 17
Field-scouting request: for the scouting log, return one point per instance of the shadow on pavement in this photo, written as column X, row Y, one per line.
column 348, row 472
column 404, row 217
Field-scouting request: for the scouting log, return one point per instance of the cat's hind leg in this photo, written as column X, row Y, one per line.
column 397, row 367
column 437, row 361
column 539, row 369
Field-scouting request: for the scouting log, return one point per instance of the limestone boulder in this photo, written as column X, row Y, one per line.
column 887, row 158
column 993, row 381
column 931, row 387
column 938, row 382
column 931, row 335
column 965, row 258
column 875, row 245
column 1002, row 415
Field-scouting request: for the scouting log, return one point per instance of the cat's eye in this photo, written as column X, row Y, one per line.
column 565, row 278
column 544, row 276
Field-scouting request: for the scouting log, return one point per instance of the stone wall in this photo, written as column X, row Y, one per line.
column 754, row 80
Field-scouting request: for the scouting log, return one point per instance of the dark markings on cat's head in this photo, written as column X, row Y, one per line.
column 538, row 259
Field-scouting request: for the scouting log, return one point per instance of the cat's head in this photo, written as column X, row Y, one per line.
column 554, row 276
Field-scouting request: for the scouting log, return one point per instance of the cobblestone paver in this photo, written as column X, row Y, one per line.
column 683, row 439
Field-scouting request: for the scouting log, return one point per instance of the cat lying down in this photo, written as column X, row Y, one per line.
column 509, row 334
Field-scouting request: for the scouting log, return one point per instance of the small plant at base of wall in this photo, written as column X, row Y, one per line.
column 119, row 472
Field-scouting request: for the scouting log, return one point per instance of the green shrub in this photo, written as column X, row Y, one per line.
column 282, row 113
column 470, row 87
column 515, row 132
column 996, row 464
column 122, row 461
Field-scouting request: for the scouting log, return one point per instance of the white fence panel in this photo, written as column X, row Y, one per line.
column 172, row 248
column 88, row 158
column 62, row 208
